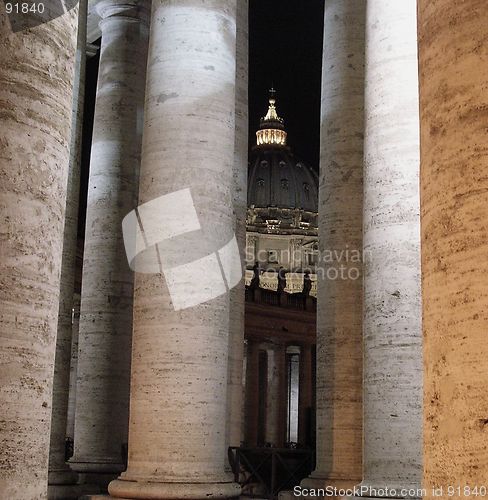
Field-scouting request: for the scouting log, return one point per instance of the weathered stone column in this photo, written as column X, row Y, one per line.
column 305, row 396
column 178, row 411
column 392, row 312
column 339, row 311
column 252, row 394
column 276, row 401
column 59, row 472
column 237, row 294
column 454, row 211
column 36, row 75
column 102, row 392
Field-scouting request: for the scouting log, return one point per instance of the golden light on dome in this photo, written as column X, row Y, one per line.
column 271, row 136
column 271, row 130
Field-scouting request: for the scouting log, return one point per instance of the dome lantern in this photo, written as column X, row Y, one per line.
column 271, row 129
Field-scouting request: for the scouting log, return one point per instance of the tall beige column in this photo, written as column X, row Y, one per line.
column 237, row 294
column 36, row 75
column 59, row 471
column 177, row 433
column 251, row 403
column 392, row 311
column 454, row 214
column 102, row 391
column 339, row 310
column 305, row 394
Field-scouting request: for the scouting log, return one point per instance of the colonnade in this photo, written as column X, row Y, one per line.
column 370, row 365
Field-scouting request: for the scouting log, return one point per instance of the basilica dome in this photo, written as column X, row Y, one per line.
column 282, row 189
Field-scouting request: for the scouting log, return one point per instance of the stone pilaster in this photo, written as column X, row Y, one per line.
column 339, row 299
column 102, row 392
column 305, row 396
column 392, row 310
column 237, row 294
column 454, row 213
column 276, row 400
column 177, row 431
column 251, row 403
column 59, row 471
column 36, row 75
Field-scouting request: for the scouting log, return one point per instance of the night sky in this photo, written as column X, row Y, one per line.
column 285, row 49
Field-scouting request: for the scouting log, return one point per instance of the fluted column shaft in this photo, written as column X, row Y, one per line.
column 177, row 432
column 454, row 213
column 59, row 472
column 392, row 314
column 339, row 301
column 102, row 392
column 36, row 74
column 237, row 294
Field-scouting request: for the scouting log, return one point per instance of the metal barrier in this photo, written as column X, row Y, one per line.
column 264, row 472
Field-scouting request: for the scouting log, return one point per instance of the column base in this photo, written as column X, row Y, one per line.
column 126, row 489
column 317, row 481
column 70, row 491
column 96, row 476
column 99, row 467
column 63, row 475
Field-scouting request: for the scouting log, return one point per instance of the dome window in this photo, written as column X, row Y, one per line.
column 306, row 190
column 260, row 183
column 285, row 184
column 264, row 163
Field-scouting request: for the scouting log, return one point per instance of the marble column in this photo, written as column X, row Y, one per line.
column 177, row 431
column 237, row 294
column 392, row 305
column 339, row 301
column 276, row 400
column 102, row 391
column 251, row 403
column 305, row 396
column 59, row 472
column 36, row 75
column 454, row 213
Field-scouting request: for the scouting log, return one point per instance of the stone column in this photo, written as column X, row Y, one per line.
column 102, row 392
column 36, row 75
column 305, row 395
column 276, row 401
column 252, row 394
column 59, row 471
column 454, row 211
column 73, row 368
column 237, row 294
column 339, row 299
column 177, row 431
column 392, row 312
